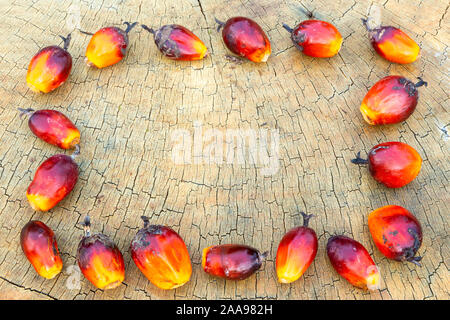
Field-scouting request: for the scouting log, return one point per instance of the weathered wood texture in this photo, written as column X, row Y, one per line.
column 127, row 113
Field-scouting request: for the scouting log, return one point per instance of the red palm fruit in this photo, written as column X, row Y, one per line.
column 53, row 127
column 316, row 38
column 245, row 38
column 53, row 180
column 178, row 43
column 161, row 254
column 352, row 261
column 232, row 261
column 296, row 252
column 39, row 246
column 393, row 164
column 49, row 68
column 100, row 260
column 393, row 44
column 396, row 233
column 391, row 100
column 108, row 46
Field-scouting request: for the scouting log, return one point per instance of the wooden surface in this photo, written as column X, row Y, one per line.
column 127, row 113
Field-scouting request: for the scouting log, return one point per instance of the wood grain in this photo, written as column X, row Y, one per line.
column 127, row 112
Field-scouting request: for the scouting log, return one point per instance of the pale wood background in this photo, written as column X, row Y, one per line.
column 126, row 114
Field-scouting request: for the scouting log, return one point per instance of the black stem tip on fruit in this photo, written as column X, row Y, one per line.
column 307, row 12
column 421, row 83
column 221, row 24
column 25, row 112
column 264, row 255
column 87, row 226
column 66, row 41
column 148, row 29
column 129, row 26
column 366, row 24
column 415, row 260
column 85, row 32
column 146, row 221
column 306, row 218
column 76, row 153
column 289, row 29
column 359, row 160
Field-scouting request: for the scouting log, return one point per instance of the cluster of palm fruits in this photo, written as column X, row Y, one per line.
column 158, row 251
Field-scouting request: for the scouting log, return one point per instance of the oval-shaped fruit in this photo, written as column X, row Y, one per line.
column 232, row 261
column 296, row 252
column 39, row 246
column 108, row 46
column 396, row 233
column 53, row 127
column 161, row 255
column 245, row 38
column 393, row 44
column 391, row 100
column 352, row 261
column 316, row 38
column 394, row 164
column 100, row 260
column 53, row 180
column 49, row 68
column 178, row 43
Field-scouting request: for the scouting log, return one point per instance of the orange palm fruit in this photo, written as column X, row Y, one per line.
column 396, row 233
column 352, row 261
column 54, row 179
column 178, row 43
column 39, row 246
column 393, row 44
column 108, row 46
column 394, row 164
column 53, row 127
column 296, row 252
column 391, row 100
column 49, row 68
column 245, row 38
column 161, row 255
column 100, row 260
column 232, row 261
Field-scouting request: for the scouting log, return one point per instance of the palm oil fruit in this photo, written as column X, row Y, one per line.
column 296, row 252
column 352, row 261
column 232, row 261
column 49, row 68
column 396, row 232
column 161, row 255
column 391, row 100
column 53, row 127
column 99, row 259
column 108, row 46
column 178, row 43
column 245, row 38
column 54, row 179
column 316, row 38
column 39, row 246
column 393, row 44
column 394, row 164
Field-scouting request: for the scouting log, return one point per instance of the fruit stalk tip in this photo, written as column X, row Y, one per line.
column 66, row 41
column 306, row 218
column 220, row 24
column 421, row 83
column 146, row 221
column 25, row 112
column 143, row 26
column 87, row 226
column 129, row 26
column 289, row 29
column 76, row 153
column 359, row 160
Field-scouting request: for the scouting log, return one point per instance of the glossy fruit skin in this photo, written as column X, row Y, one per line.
column 296, row 252
column 101, row 261
column 394, row 45
column 107, row 46
column 178, row 43
column 391, row 100
column 352, row 261
column 231, row 261
column 39, row 246
column 245, row 38
column 54, row 179
column 394, row 164
column 55, row 128
column 317, row 38
column 161, row 255
column 49, row 69
column 396, row 232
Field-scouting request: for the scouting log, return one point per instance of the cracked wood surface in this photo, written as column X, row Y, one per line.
column 126, row 114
